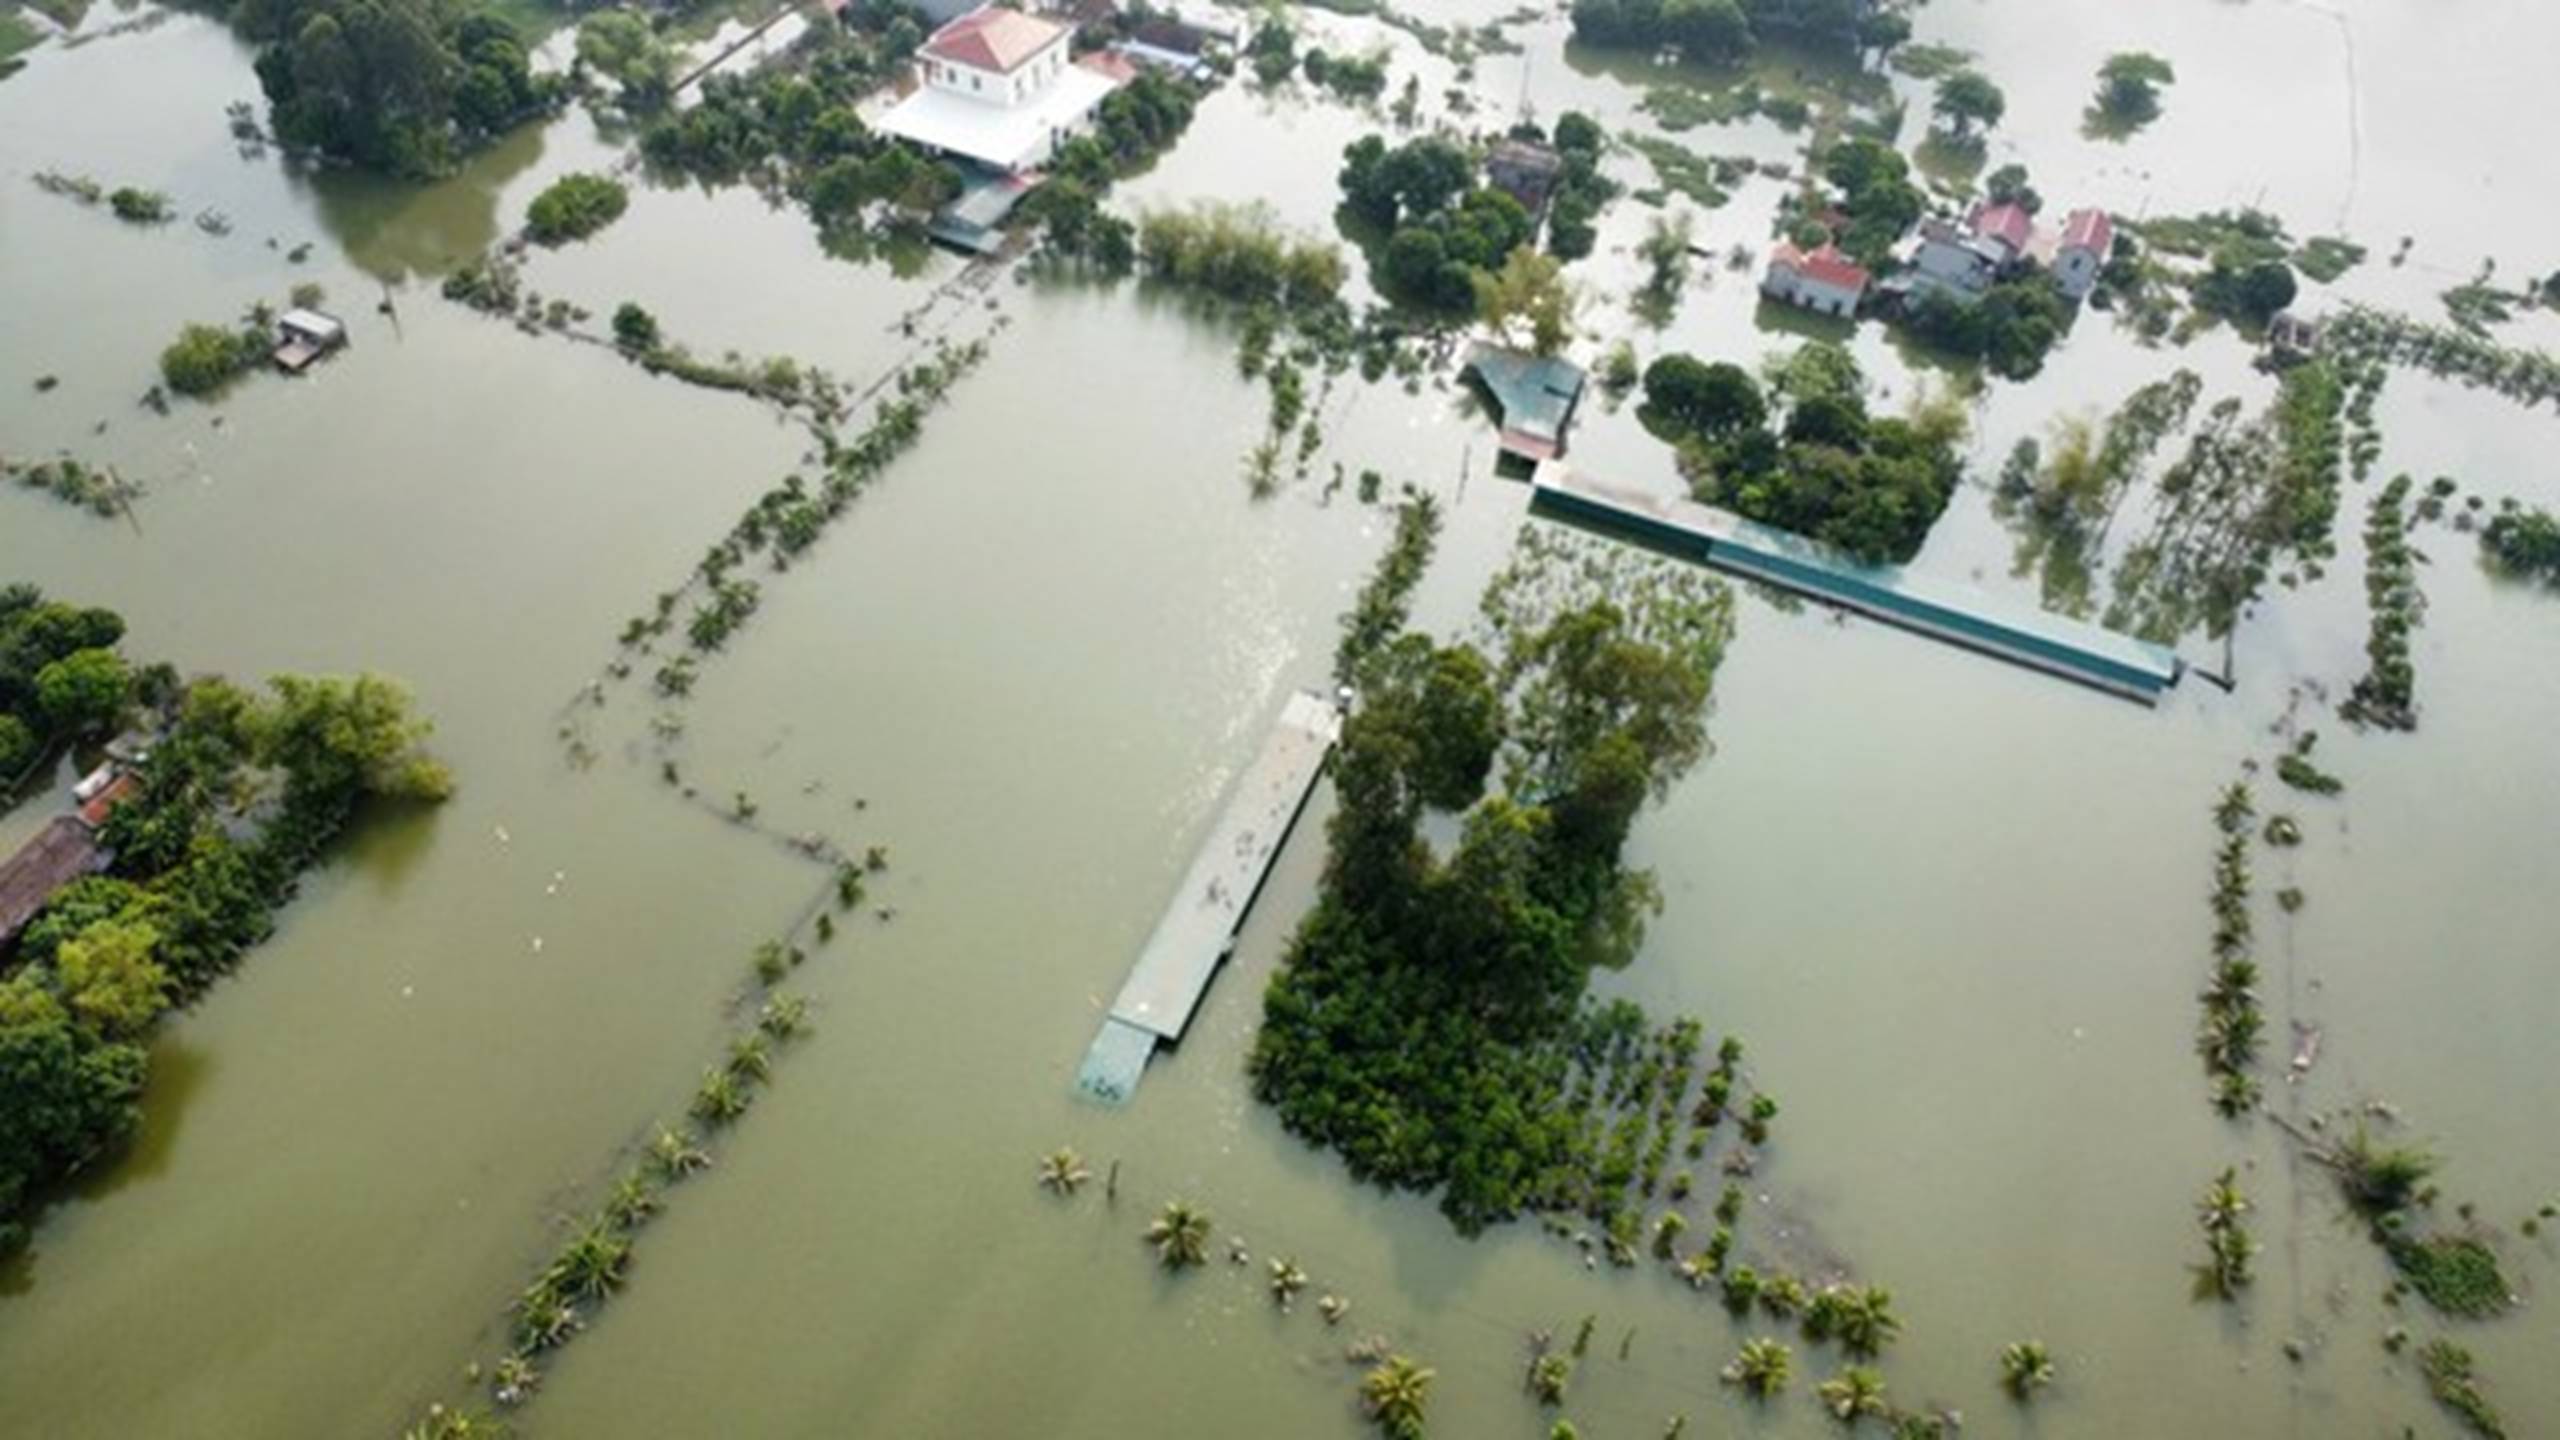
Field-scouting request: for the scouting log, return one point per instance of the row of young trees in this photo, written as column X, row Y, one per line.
column 194, row 882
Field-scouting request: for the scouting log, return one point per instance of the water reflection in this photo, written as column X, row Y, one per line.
column 394, row 230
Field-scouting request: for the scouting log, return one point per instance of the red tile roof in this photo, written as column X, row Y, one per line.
column 992, row 38
column 1826, row 265
column 1111, row 65
column 2088, row 230
column 103, row 804
column 2009, row 222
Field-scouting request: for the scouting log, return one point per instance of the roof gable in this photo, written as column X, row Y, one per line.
column 993, row 38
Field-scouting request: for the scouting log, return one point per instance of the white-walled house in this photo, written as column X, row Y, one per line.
column 2087, row 238
column 1821, row 280
column 1000, row 88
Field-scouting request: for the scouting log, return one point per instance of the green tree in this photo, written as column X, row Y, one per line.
column 1180, row 1235
column 18, row 747
column 574, row 207
column 1397, row 1393
column 205, row 358
column 70, row 1097
column 1968, row 98
column 2129, row 86
column 622, row 46
column 635, row 329
column 1715, row 400
column 110, row 979
column 1528, row 294
column 84, row 692
column 340, row 740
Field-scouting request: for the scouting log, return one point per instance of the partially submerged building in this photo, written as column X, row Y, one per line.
column 303, row 336
column 999, row 89
column 1164, row 42
column 1536, row 393
column 1821, row 280
column 63, row 851
column 1963, row 261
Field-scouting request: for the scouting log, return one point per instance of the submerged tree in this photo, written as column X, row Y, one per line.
column 2026, row 1367
column 1062, row 1170
column 1180, row 1235
column 1397, row 1394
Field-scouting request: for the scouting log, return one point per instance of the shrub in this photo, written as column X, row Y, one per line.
column 575, row 206
column 205, row 358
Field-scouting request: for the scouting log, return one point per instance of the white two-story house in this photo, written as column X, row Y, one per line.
column 999, row 88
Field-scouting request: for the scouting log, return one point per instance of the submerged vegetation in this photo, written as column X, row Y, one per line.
column 205, row 359
column 574, row 207
column 2223, row 1213
column 1430, row 1023
column 2063, row 497
column 398, row 87
column 101, row 490
column 2386, row 694
column 2524, row 543
column 2448, row 1371
column 2232, row 1027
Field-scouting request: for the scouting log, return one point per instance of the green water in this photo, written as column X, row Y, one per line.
column 1956, row 909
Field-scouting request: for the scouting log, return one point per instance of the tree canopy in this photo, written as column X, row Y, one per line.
column 401, row 87
column 1968, row 98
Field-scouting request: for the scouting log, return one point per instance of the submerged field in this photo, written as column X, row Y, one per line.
column 1958, row 910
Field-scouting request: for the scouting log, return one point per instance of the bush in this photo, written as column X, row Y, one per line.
column 574, row 207
column 205, row 358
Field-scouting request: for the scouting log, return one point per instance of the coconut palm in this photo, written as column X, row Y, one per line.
column 2226, row 1269
column 2233, row 1093
column 1549, row 1375
column 1854, row 1393
column 1761, row 1368
column 633, row 1201
column 720, row 1099
column 674, row 1154
column 1861, row 1318
column 1062, row 1170
column 783, row 1016
column 1180, row 1235
column 1286, row 1280
column 440, row 1423
column 591, row 1266
column 1666, row 1233
column 543, row 1318
column 2223, row 1206
column 1397, row 1393
column 1781, row 1296
column 2026, row 1367
column 514, row 1379
column 751, row 1056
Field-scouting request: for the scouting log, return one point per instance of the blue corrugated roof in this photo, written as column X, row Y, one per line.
column 1536, row 392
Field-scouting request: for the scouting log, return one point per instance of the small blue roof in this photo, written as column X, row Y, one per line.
column 1536, row 392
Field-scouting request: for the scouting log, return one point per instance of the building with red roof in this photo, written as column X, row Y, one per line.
column 2088, row 236
column 1821, row 280
column 2007, row 223
column 999, row 89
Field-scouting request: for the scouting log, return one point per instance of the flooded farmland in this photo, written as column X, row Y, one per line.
column 1958, row 908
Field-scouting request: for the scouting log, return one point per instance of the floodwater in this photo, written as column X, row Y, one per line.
column 1957, row 910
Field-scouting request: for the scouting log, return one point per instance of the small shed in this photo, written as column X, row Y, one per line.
column 1537, row 395
column 975, row 221
column 303, row 336
column 60, row 853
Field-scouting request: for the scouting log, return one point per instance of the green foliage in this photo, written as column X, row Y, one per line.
column 1876, row 191
column 1397, row 1395
column 2450, row 1379
column 1352, row 77
column 2455, row 1273
column 1727, row 31
column 1379, row 614
column 2026, row 1367
column 1871, row 487
column 622, row 46
column 1440, row 227
column 140, row 207
column 84, row 692
column 2222, row 1212
column 1854, row 1394
column 635, row 329
column 2380, row 1179
column 1581, row 192
column 70, row 1095
column 1429, row 1023
column 399, row 87
column 206, row 358
column 107, row 977
column 574, row 207
column 2385, row 694
column 2294, row 768
column 2524, row 543
column 1238, row 253
column 1179, row 1235
column 1761, row 1368
column 2010, row 328
column 1966, row 99
column 2129, row 86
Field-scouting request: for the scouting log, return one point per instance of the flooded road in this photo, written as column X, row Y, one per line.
column 1958, row 910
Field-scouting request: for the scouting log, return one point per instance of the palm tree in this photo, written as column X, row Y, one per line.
column 2223, row 1205
column 721, row 1098
column 591, row 1266
column 1761, row 1368
column 1286, row 1280
column 783, row 1016
column 674, row 1154
column 1782, row 1296
column 751, row 1057
column 1854, row 1393
column 514, row 1379
column 1397, row 1392
column 1180, row 1235
column 543, row 1319
column 442, row 1424
column 1866, row 1321
column 633, row 1201
column 1062, row 1170
column 2026, row 1367
column 1549, row 1375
